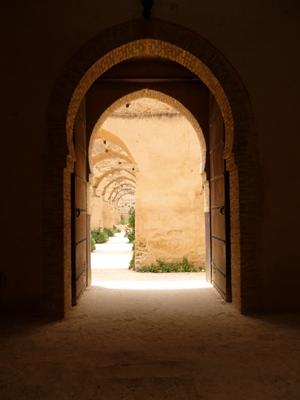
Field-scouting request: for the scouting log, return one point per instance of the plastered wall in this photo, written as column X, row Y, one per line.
column 169, row 196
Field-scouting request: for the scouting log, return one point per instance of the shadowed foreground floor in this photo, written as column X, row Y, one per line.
column 152, row 344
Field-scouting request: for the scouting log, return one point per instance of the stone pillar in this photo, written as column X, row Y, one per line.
column 111, row 215
column 105, row 214
column 95, row 210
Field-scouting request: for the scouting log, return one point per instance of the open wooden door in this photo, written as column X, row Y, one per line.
column 80, row 220
column 219, row 204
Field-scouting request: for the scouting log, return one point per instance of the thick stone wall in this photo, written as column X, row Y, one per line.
column 258, row 41
column 169, row 195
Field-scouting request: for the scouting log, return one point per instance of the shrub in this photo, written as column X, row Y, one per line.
column 99, row 235
column 132, row 261
column 130, row 230
column 129, row 234
column 93, row 244
column 162, row 266
column 109, row 232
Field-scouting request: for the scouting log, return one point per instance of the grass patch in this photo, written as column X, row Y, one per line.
column 162, row 266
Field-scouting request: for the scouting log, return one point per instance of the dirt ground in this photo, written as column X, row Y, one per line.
column 163, row 343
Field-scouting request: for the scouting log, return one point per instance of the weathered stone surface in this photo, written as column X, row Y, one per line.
column 169, row 195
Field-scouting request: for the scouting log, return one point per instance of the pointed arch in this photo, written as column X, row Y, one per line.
column 156, row 95
column 115, row 192
column 117, row 179
column 100, row 156
column 99, row 179
column 145, row 39
column 109, row 136
column 128, row 191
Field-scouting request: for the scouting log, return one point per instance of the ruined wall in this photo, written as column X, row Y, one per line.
column 169, row 196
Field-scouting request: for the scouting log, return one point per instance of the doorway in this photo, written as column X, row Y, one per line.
column 167, row 42
column 168, row 163
column 167, row 156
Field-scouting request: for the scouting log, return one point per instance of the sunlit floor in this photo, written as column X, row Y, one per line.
column 110, row 270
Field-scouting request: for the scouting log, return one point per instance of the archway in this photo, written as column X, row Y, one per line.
column 157, row 126
column 125, row 181
column 196, row 54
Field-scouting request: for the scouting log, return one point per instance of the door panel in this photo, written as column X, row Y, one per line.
column 219, row 266
column 80, row 231
column 218, row 223
column 88, row 251
column 217, row 162
column 217, row 194
column 219, row 205
column 216, row 125
column 80, row 164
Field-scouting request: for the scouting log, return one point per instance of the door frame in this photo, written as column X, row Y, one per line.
column 195, row 53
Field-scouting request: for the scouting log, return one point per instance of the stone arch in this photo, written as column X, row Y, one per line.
column 112, row 171
column 111, row 195
column 124, row 178
column 156, row 95
column 162, row 39
column 119, row 189
column 144, row 48
column 97, row 158
column 109, row 136
column 123, row 194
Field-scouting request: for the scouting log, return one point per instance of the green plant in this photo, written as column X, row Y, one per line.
column 99, row 235
column 130, row 230
column 132, row 261
column 109, row 232
column 129, row 234
column 162, row 266
column 93, row 244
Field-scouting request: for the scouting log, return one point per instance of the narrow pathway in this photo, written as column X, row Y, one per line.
column 115, row 254
column 110, row 270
